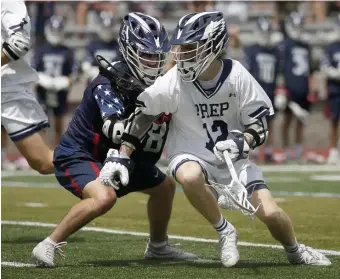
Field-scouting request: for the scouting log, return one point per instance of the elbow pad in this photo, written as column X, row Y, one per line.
column 258, row 131
column 16, row 46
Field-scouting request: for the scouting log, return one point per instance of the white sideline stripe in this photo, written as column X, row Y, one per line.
column 17, row 264
column 177, row 237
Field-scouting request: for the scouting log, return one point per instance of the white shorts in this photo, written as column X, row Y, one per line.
column 249, row 173
column 21, row 114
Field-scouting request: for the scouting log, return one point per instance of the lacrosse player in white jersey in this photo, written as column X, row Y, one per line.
column 21, row 114
column 218, row 111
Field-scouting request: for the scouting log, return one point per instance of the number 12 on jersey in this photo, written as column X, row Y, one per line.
column 218, row 126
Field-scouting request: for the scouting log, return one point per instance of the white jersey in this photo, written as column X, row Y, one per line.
column 14, row 18
column 200, row 118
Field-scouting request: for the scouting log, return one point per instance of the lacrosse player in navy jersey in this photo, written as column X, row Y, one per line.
column 55, row 63
column 218, row 111
column 330, row 66
column 294, row 82
column 106, row 45
column 97, row 127
column 261, row 60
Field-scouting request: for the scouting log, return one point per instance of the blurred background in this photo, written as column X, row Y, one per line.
column 83, row 30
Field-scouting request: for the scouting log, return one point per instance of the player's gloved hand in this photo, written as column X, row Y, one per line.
column 281, row 96
column 236, row 146
column 116, row 170
column 46, row 81
column 61, row 83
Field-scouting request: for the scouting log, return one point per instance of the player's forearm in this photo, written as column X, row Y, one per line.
column 4, row 59
column 256, row 134
column 125, row 149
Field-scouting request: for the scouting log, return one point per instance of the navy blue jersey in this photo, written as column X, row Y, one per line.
column 54, row 61
column 85, row 134
column 295, row 65
column 262, row 62
column 332, row 59
column 109, row 50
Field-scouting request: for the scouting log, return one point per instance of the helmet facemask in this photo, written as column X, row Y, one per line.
column 193, row 59
column 145, row 65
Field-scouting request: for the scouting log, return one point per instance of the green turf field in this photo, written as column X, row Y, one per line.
column 119, row 254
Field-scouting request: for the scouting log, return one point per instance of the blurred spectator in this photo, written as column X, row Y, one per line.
column 261, row 59
column 106, row 46
column 200, row 6
column 87, row 10
column 55, row 64
column 44, row 10
column 234, row 11
column 331, row 68
column 296, row 83
column 234, row 46
column 283, row 9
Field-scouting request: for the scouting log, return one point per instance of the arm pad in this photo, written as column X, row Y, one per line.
column 257, row 133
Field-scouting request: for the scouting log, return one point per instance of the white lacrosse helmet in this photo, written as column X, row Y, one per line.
column 197, row 41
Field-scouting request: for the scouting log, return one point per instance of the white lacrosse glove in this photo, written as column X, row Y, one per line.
column 281, row 98
column 61, row 83
column 236, row 146
column 299, row 112
column 46, row 81
column 116, row 170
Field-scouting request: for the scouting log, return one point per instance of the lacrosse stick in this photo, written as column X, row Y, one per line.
column 235, row 193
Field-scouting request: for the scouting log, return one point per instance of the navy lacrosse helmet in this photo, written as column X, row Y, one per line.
column 294, row 25
column 263, row 31
column 197, row 41
column 54, row 30
column 145, row 46
column 107, row 26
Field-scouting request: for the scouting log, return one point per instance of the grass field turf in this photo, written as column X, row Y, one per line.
column 100, row 255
